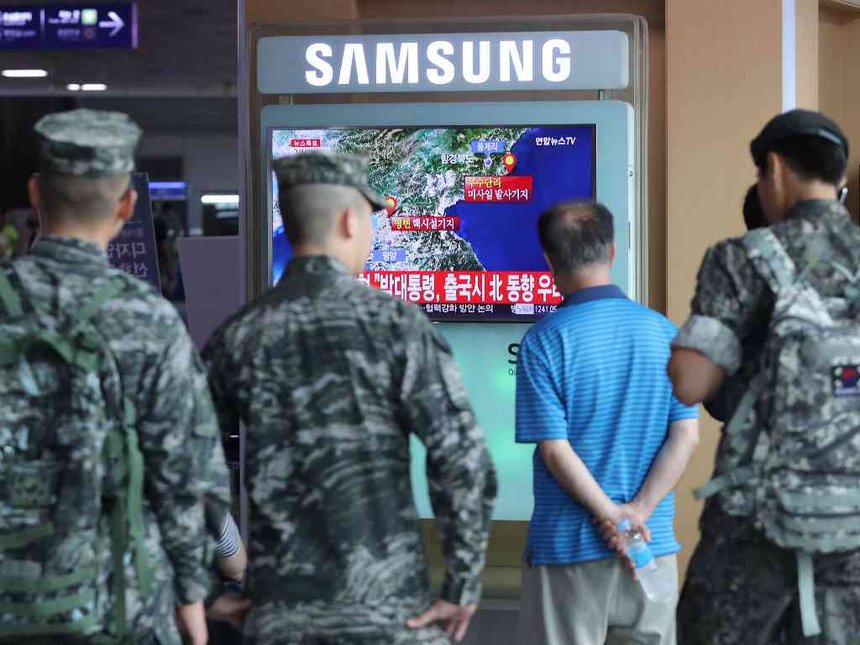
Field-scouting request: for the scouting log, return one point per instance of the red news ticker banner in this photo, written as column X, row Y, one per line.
column 305, row 143
column 420, row 224
column 499, row 189
column 467, row 287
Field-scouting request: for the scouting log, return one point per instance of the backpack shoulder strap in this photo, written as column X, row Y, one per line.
column 770, row 258
column 80, row 345
column 10, row 302
column 122, row 449
column 62, row 344
column 9, row 298
column 744, row 471
column 806, row 593
column 95, row 303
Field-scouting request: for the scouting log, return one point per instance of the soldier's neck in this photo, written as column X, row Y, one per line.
column 309, row 250
column 810, row 190
column 76, row 231
column 338, row 252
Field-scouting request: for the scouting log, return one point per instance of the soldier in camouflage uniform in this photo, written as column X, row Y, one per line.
column 742, row 587
column 331, row 378
column 84, row 198
column 723, row 404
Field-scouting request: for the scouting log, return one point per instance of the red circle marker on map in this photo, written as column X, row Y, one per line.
column 509, row 161
column 390, row 204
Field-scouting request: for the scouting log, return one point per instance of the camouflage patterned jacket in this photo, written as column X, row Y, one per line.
column 178, row 432
column 732, row 305
column 331, row 377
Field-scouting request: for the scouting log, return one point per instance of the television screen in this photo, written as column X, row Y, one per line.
column 459, row 234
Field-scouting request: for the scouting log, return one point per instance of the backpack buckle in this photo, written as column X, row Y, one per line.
column 86, row 343
column 32, row 485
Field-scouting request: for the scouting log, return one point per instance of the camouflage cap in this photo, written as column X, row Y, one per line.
column 318, row 168
column 87, row 143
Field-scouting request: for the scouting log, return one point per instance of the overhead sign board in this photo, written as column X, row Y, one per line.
column 571, row 60
column 65, row 26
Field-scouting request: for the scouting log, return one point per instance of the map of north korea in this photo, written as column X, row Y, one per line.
column 462, row 209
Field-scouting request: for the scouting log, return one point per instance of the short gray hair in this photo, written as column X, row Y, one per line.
column 81, row 198
column 309, row 210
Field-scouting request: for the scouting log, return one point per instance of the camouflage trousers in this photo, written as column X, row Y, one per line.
column 319, row 623
column 428, row 637
column 138, row 639
column 741, row 589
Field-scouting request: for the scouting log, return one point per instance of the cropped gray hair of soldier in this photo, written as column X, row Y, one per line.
column 81, row 198
column 310, row 211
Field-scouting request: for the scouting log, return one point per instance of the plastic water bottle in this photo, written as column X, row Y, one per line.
column 658, row 582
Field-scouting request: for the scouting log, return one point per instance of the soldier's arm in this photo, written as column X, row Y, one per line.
column 216, row 357
column 695, row 376
column 230, row 555
column 460, row 472
column 184, row 460
column 730, row 303
column 722, row 405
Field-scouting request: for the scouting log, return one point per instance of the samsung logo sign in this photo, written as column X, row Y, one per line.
column 436, row 62
column 404, row 63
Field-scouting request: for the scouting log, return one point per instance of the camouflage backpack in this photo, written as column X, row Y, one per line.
column 801, row 464
column 71, row 477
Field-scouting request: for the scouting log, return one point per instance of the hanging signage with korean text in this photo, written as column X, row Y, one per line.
column 69, row 26
column 134, row 250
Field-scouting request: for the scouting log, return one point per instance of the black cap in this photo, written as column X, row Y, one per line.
column 796, row 123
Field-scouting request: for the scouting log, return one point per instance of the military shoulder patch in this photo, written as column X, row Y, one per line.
column 846, row 380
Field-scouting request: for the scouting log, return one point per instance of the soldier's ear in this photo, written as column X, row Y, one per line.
column 33, row 191
column 775, row 165
column 126, row 205
column 350, row 222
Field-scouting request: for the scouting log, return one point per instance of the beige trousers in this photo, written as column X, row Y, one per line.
column 592, row 603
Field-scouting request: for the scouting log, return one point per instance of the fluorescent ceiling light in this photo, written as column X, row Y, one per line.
column 24, row 73
column 93, row 87
column 219, row 199
column 74, row 87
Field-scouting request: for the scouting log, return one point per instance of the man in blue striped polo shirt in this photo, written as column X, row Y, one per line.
column 612, row 442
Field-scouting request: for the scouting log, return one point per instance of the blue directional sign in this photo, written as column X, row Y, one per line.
column 20, row 28
column 66, row 26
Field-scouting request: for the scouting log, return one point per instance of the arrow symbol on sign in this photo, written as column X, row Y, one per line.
column 115, row 22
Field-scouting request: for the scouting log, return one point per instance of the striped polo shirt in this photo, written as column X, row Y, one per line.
column 594, row 373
